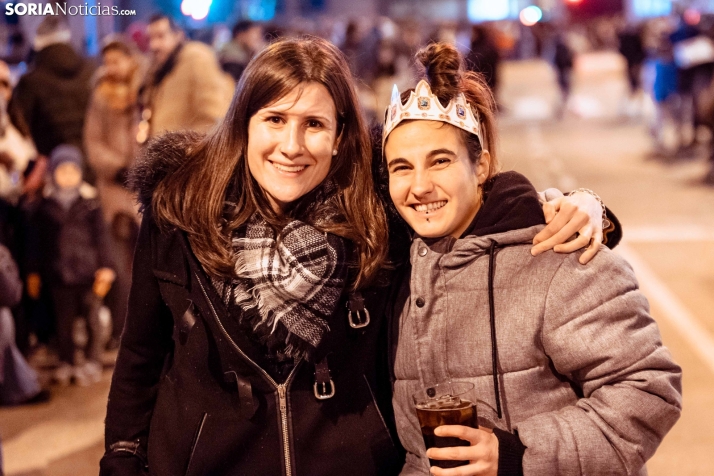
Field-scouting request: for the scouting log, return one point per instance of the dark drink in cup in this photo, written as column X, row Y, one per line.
column 441, row 405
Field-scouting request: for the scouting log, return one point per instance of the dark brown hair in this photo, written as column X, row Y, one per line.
column 156, row 17
column 192, row 198
column 118, row 43
column 443, row 67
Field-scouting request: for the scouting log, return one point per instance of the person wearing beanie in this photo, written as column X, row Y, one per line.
column 54, row 94
column 69, row 254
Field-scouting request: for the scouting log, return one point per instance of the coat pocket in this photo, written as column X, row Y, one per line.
column 379, row 412
column 195, row 442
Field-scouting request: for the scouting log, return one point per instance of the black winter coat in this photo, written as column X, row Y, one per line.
column 53, row 97
column 68, row 246
column 189, row 393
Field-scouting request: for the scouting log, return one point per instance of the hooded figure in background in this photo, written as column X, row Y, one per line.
column 53, row 96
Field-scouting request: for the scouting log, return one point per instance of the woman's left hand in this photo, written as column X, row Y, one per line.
column 579, row 213
column 482, row 454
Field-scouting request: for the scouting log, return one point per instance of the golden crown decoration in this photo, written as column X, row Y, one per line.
column 423, row 105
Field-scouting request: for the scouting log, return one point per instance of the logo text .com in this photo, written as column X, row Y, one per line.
column 64, row 9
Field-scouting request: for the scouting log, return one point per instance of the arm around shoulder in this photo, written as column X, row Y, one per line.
column 598, row 334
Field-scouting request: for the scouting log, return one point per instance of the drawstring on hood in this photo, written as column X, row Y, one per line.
column 492, row 315
column 510, row 203
column 510, row 215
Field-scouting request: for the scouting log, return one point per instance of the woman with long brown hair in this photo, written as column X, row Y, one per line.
column 255, row 341
column 251, row 238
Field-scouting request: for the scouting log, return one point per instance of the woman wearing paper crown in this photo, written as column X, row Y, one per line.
column 570, row 374
column 255, row 342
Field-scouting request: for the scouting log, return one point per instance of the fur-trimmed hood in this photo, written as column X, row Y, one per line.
column 162, row 156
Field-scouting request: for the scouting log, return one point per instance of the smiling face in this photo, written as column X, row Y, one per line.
column 432, row 181
column 290, row 143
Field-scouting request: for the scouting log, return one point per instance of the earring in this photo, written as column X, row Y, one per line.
column 334, row 152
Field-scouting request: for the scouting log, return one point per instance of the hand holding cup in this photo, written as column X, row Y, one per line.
column 482, row 454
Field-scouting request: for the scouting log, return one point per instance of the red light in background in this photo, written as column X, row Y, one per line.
column 573, row 2
column 692, row 16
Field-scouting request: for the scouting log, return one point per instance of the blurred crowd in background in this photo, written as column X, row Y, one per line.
column 71, row 126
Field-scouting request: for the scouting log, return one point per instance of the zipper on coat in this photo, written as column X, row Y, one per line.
column 282, row 388
column 283, row 401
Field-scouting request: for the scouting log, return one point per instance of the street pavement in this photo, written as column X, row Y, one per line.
column 600, row 143
column 598, row 140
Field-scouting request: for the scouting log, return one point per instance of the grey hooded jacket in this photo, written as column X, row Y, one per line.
column 583, row 379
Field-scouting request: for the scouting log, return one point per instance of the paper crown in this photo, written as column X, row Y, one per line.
column 422, row 104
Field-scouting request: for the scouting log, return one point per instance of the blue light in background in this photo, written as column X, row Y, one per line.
column 259, row 10
column 91, row 37
column 488, row 10
column 651, row 8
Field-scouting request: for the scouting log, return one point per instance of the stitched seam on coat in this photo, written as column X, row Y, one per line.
column 545, row 306
column 446, row 293
column 577, row 450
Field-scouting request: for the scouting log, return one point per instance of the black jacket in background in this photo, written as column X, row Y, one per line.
column 484, row 58
column 68, row 246
column 53, row 97
column 190, row 387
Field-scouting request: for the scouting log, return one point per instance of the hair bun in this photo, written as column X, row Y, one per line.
column 443, row 67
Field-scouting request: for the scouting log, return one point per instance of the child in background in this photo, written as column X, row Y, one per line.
column 69, row 253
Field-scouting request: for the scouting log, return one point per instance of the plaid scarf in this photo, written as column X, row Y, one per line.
column 288, row 285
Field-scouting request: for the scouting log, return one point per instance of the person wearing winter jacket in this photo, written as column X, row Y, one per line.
column 569, row 371
column 255, row 341
column 110, row 139
column 111, row 125
column 53, row 95
column 69, row 254
column 185, row 89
